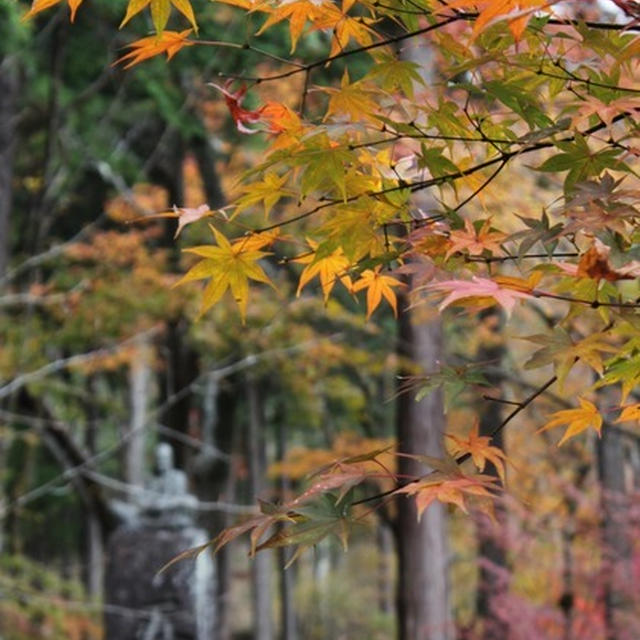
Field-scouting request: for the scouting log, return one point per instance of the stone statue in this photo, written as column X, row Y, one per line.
column 166, row 502
column 157, row 525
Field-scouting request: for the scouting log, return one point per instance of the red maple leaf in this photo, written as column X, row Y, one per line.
column 241, row 116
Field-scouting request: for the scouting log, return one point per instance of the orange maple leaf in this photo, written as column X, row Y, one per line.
column 516, row 12
column 169, row 42
column 480, row 450
column 630, row 413
column 378, row 286
column 594, row 264
column 577, row 420
column 41, row 5
column 448, row 489
column 475, row 242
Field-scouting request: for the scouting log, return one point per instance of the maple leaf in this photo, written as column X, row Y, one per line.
column 453, row 381
column 343, row 27
column 297, row 13
column 624, row 369
column 480, row 449
column 517, row 12
column 352, row 100
column 597, row 205
column 160, row 10
column 169, row 42
column 240, row 115
column 41, row 5
column 577, row 420
column 479, row 291
column 269, row 191
column 448, row 488
column 629, row 414
column 559, row 349
column 329, row 268
column 255, row 241
column 475, row 242
column 594, row 264
column 378, row 286
column 229, row 267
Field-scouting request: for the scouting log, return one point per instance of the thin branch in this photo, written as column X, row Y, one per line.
column 344, row 54
column 64, row 363
column 591, row 303
column 504, row 157
column 521, row 406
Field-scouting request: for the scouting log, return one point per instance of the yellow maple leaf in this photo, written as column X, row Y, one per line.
column 352, row 100
column 329, row 269
column 169, row 42
column 629, row 414
column 378, row 286
column 229, row 266
column 160, row 10
column 268, row 191
column 577, row 420
column 41, row 5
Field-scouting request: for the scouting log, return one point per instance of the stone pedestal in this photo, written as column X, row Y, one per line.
column 178, row 604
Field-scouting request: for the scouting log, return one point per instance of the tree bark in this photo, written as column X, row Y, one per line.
column 139, row 389
column 261, row 563
column 8, row 107
column 288, row 623
column 617, row 577
column 214, row 481
column 423, row 607
column 491, row 582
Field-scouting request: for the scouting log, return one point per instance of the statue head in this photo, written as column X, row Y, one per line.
column 164, row 458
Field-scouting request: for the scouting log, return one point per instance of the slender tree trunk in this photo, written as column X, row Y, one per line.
column 491, row 550
column 288, row 623
column 423, row 606
column 8, row 107
column 261, row 564
column 385, row 569
column 94, row 550
column 215, row 481
column 139, row 389
column 8, row 114
column 617, row 578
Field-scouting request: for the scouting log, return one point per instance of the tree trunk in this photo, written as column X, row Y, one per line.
column 491, row 551
column 617, row 577
column 261, row 563
column 288, row 623
column 214, row 481
column 94, row 549
column 139, row 389
column 384, row 542
column 8, row 106
column 423, row 607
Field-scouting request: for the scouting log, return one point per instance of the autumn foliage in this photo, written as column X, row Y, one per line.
column 526, row 93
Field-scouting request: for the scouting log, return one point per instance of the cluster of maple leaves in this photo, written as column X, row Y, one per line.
column 517, row 81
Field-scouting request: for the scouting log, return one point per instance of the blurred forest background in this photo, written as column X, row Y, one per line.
column 100, row 359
